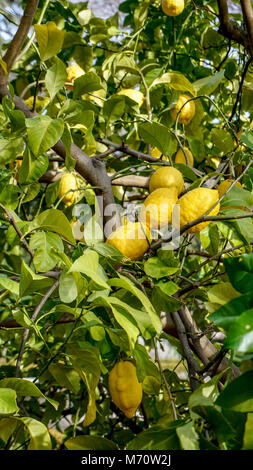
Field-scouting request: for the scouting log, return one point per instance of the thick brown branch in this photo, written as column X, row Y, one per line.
column 248, row 19
column 228, row 29
column 21, row 34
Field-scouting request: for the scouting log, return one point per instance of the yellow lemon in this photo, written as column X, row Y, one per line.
column 155, row 152
column 180, row 158
column 187, row 112
column 124, row 387
column 172, row 7
column 166, row 177
column 157, row 208
column 196, row 203
column 132, row 239
column 68, row 182
column 134, row 95
column 73, row 71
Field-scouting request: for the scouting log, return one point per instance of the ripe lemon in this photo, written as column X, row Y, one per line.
column 222, row 189
column 196, row 203
column 166, row 177
column 73, row 71
column 124, row 387
column 157, row 208
column 172, row 7
column 132, row 239
column 187, row 112
column 134, row 95
column 180, row 158
column 155, row 152
column 68, row 182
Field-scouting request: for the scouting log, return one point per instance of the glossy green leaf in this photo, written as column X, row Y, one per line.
column 90, row 443
column 175, row 80
column 8, row 404
column 31, row 282
column 188, row 437
column 55, row 78
column 43, row 133
column 26, row 388
column 39, row 436
column 155, row 134
column 50, row 39
column 240, row 272
column 52, row 220
column 238, row 394
column 206, row 85
column 43, row 244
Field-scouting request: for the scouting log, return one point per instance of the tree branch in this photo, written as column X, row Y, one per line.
column 248, row 19
column 33, row 318
column 20, row 36
column 228, row 29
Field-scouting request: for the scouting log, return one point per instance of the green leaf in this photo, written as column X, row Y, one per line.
column 90, row 443
column 87, row 83
column 86, row 363
column 88, row 265
column 240, row 272
column 207, row 85
column 240, row 333
column 32, row 168
column 238, row 394
column 9, row 150
column 114, row 108
column 7, row 428
column 10, row 285
column 26, row 388
column 9, row 196
column 188, row 437
column 43, row 133
column 247, row 138
column 8, row 405
column 238, row 197
column 129, row 286
column 50, row 39
column 65, row 376
column 204, row 396
column 67, row 288
column 55, row 78
column 222, row 139
column 248, row 433
column 52, row 220
column 44, row 244
column 228, row 313
column 155, row 134
column 31, row 282
column 154, row 267
column 39, row 436
column 175, row 80
column 156, row 438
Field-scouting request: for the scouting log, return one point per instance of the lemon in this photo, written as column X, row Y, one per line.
column 134, row 95
column 155, row 152
column 166, row 177
column 180, row 158
column 131, row 239
column 68, row 182
column 187, row 112
column 73, row 71
column 196, row 203
column 172, row 7
column 157, row 208
column 124, row 387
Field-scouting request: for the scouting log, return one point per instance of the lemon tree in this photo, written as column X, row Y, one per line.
column 126, row 207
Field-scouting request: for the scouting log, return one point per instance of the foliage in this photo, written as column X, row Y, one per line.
column 80, row 305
